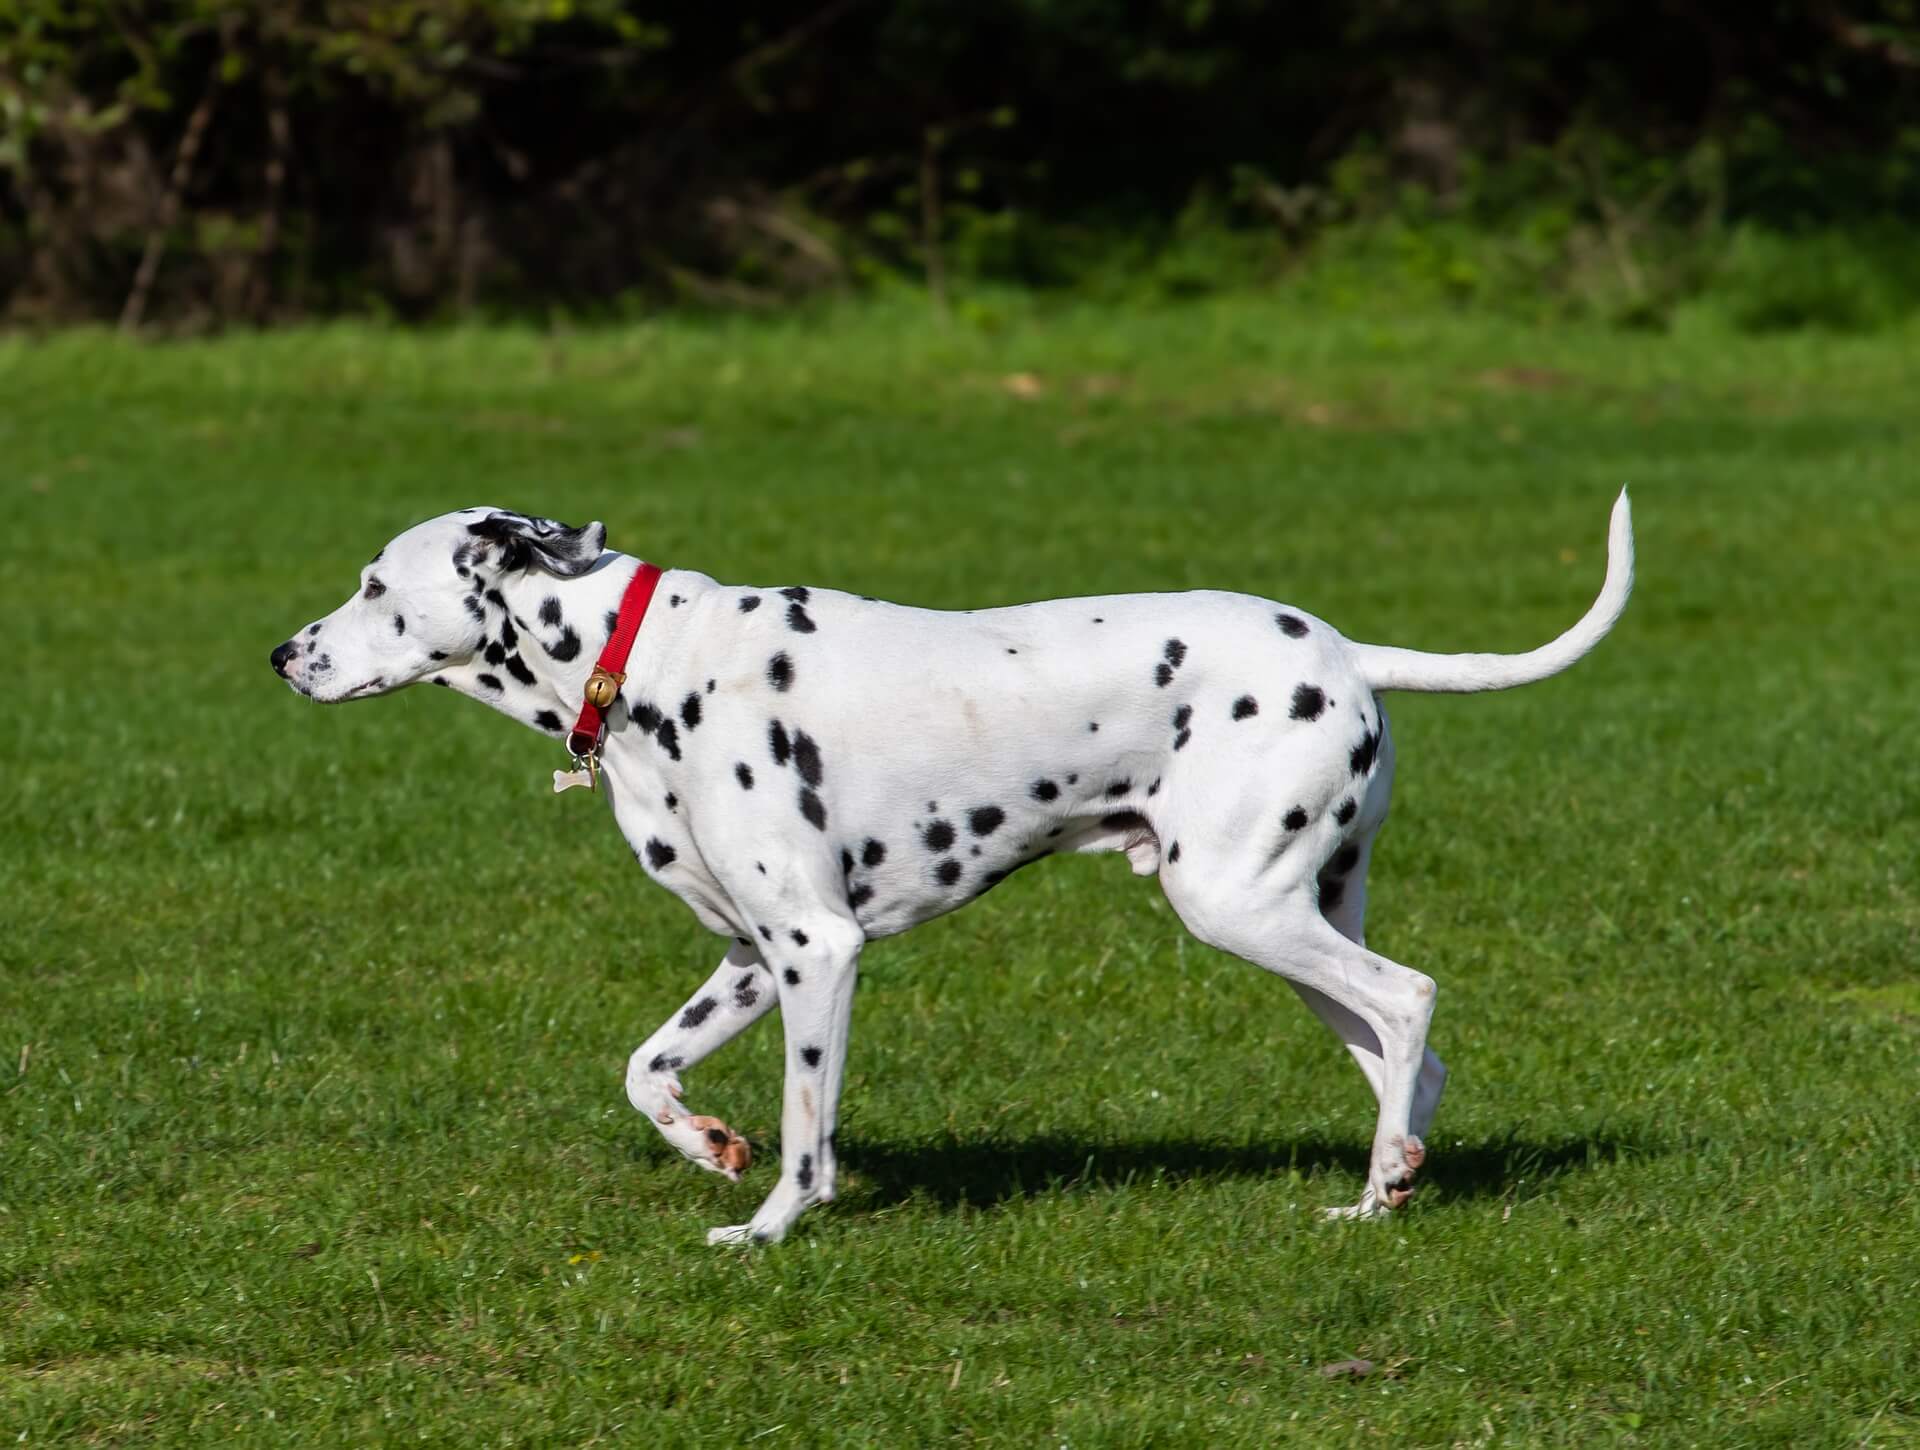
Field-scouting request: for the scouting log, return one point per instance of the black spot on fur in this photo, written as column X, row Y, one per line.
column 793, row 977
column 806, row 757
column 699, row 1012
column 443, row 680
column 1173, row 853
column 399, row 624
column 873, row 853
column 709, row 687
column 1332, row 889
column 669, row 737
column 799, row 621
column 1343, row 860
column 1154, row 789
column 1291, row 625
column 1308, row 702
column 495, row 655
column 778, row 743
column 690, row 712
column 507, row 635
column 547, row 720
column 436, row 654
column 674, row 601
column 810, row 1056
column 765, row 934
column 517, row 667
column 1345, row 811
column 1363, row 754
column 799, row 937
column 804, row 1177
column 492, row 682
column 1176, row 653
column 612, row 621
column 473, row 608
column 749, row 604
column 846, row 862
column 645, row 716
column 812, row 809
column 550, row 611
column 780, row 672
column 1123, row 821
column 799, row 594
column 744, row 774
column 1093, row 727
column 859, row 896
column 1163, row 674
column 947, row 872
column 1044, row 790
column 986, row 820
column 1073, row 780
column 1118, row 788
column 1012, row 651
column 568, row 647
column 938, row 836
column 659, row 854
column 1295, row 820
column 673, row 801
column 1245, row 707
column 1182, row 716
column 663, row 1063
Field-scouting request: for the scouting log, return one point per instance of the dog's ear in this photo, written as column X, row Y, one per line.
column 552, row 545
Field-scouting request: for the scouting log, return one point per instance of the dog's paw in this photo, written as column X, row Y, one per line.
column 720, row 1149
column 744, row 1233
column 1395, row 1180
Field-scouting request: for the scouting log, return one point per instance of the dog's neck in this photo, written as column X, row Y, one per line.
column 543, row 636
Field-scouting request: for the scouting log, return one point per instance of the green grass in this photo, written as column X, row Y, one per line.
column 313, row 1022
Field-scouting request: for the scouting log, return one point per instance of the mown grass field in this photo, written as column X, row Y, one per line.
column 313, row 1022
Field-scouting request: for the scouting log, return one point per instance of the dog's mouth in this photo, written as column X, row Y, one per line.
column 374, row 686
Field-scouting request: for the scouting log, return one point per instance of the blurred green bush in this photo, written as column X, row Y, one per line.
column 205, row 161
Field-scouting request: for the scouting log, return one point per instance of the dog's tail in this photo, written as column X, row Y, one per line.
column 1387, row 668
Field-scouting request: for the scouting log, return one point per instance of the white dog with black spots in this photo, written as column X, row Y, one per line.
column 810, row 770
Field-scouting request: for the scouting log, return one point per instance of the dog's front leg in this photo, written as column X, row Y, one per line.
column 736, row 996
column 815, row 965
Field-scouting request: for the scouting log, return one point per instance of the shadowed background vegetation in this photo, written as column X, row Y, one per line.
column 209, row 161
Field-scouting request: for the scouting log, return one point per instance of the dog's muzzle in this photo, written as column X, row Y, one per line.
column 278, row 659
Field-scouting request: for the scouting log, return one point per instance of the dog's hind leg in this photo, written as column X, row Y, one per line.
column 736, row 996
column 1343, row 901
column 816, row 964
column 1386, row 1006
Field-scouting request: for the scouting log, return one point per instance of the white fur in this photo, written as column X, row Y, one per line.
column 902, row 759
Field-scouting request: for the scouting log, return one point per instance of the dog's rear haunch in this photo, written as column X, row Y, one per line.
column 808, row 770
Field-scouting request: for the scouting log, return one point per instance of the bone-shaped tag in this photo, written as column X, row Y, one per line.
column 568, row 779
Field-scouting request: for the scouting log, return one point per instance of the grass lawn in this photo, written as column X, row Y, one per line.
column 313, row 1022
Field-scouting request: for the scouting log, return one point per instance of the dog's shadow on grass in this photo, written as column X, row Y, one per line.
column 987, row 1172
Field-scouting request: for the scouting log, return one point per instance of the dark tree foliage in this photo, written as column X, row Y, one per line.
column 211, row 159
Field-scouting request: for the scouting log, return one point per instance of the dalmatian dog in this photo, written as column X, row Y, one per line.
column 810, row 770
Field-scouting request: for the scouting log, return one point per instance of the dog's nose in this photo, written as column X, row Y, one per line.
column 279, row 658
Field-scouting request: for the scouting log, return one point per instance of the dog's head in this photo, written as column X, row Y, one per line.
column 422, row 601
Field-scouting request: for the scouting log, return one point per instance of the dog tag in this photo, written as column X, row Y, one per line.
column 568, row 779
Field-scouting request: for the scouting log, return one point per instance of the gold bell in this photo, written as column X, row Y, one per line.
column 603, row 687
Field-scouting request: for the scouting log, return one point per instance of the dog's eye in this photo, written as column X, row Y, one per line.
column 374, row 589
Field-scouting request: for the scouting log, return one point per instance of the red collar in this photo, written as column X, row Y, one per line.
column 603, row 685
